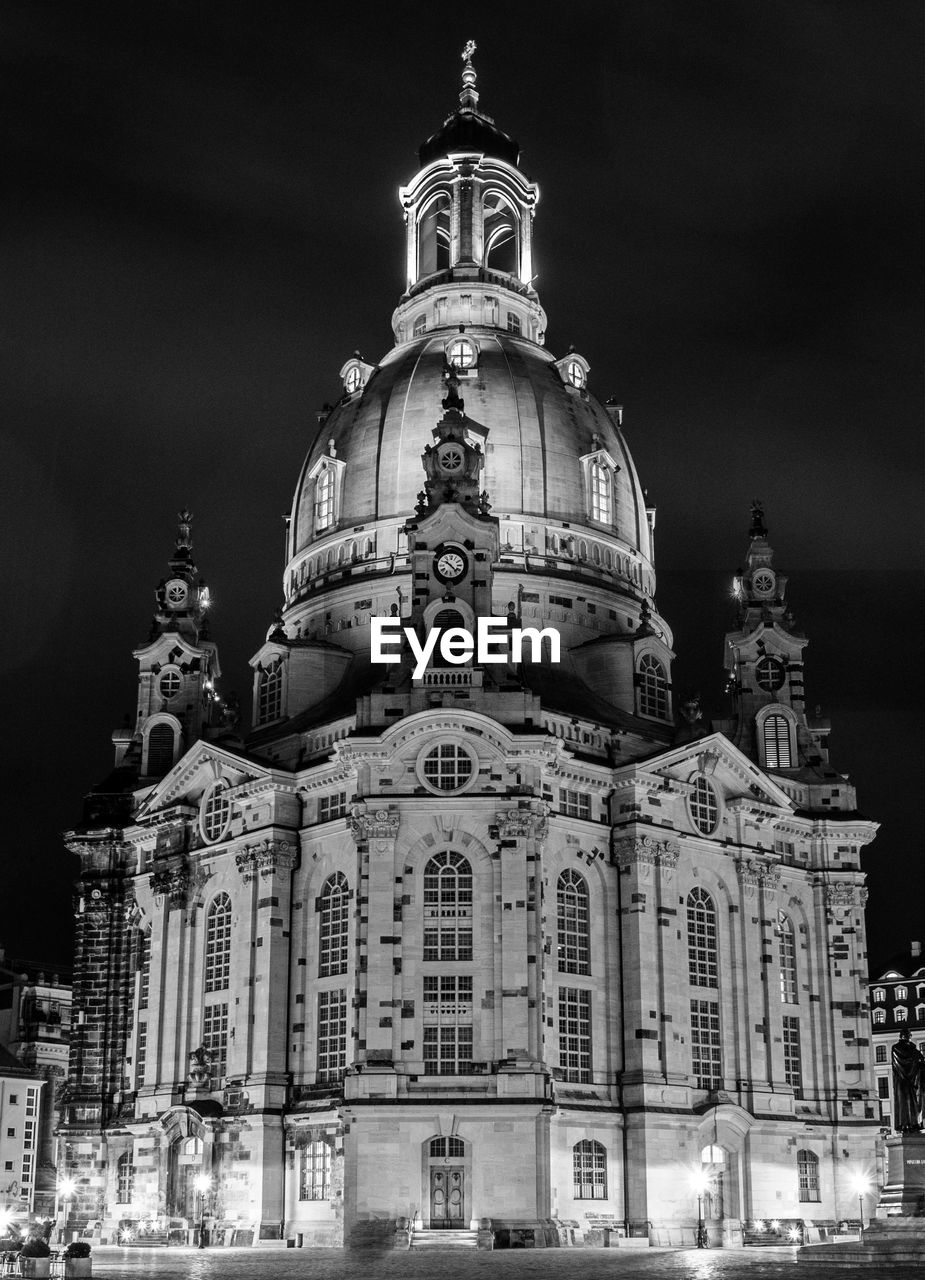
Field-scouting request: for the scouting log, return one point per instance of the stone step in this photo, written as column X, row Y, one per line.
column 451, row 1238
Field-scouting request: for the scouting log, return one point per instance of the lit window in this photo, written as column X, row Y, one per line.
column 900, row 1014
column 270, row 693
column 776, row 736
column 324, row 498
column 788, row 960
column 575, row 373
column 589, row 1164
column 160, row 750
column 704, row 807
column 653, row 687
column 513, row 322
column 334, row 924
column 701, row 939
column 793, row 1067
column 215, row 814
column 218, row 944
column 352, row 379
column 808, row 1175
column 575, row 1034
column 447, row 1024
column 879, row 1016
column 900, row 993
column 124, row 1179
column 601, row 494
column 879, row 995
column 770, row 674
column 332, row 1035
column 574, row 941
column 215, row 1041
column 315, row 1171
column 169, row 685
column 706, row 1053
column 448, row 907
column 461, row 353
column 574, row 805
column 447, row 767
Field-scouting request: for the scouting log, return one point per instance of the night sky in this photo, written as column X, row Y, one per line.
column 201, row 224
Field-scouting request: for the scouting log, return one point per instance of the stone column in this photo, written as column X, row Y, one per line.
column 378, row 982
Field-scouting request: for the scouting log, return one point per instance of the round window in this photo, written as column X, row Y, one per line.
column 704, row 807
column 169, row 684
column 447, row 767
column 461, row 352
column 215, row 813
column 770, row 674
column 575, row 373
column 352, row 379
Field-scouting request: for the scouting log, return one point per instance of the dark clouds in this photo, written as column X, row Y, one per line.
column 202, row 223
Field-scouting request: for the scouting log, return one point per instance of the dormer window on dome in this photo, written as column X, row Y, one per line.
column 355, row 374
column 462, row 353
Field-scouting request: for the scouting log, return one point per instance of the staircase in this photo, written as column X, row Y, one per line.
column 425, row 1238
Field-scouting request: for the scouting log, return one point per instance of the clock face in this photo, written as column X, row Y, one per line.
column 763, row 582
column 575, row 374
column 450, row 564
column 451, row 458
column 176, row 593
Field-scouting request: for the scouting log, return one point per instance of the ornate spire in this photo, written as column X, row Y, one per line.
column 758, row 528
column 469, row 97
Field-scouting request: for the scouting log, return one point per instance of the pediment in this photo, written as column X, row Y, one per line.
column 730, row 770
column 196, row 771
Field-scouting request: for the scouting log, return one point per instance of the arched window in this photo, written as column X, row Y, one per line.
column 324, row 498
column 315, row 1171
column 704, row 806
column 589, row 1162
column 500, row 235
column 434, row 236
column 775, row 733
column 601, row 493
column 701, row 939
column 901, row 993
column 808, row 1175
column 879, row 995
column 270, row 693
column 653, row 687
column 218, row 944
column 441, row 1147
column 788, row 960
column 900, row 1014
column 124, row 1178
column 215, row 813
column 448, row 908
column 879, row 1016
column 160, row 750
column 574, row 941
column 334, row 917
column 420, row 326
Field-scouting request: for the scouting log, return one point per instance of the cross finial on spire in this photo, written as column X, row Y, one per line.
column 758, row 529
column 469, row 96
column 184, row 539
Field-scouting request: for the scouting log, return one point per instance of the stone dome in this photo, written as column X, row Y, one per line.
column 534, row 429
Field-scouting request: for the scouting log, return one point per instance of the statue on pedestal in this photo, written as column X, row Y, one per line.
column 908, row 1084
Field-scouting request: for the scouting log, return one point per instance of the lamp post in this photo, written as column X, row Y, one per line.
column 203, row 1182
column 699, row 1182
column 66, row 1188
column 861, row 1187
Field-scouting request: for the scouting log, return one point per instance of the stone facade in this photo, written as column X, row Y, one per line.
column 505, row 946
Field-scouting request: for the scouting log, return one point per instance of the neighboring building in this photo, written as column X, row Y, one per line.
column 20, row 1113
column 508, row 943
column 35, row 1027
column 897, row 1003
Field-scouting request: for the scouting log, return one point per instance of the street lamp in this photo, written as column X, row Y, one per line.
column 66, row 1188
column 700, row 1181
column 203, row 1183
column 861, row 1187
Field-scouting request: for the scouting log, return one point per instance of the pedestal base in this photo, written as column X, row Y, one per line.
column 904, row 1193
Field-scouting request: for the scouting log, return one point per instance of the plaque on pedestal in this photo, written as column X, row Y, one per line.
column 904, row 1193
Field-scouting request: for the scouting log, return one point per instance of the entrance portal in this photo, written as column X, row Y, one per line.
column 446, row 1173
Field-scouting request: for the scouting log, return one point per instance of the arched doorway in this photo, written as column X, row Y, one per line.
column 184, row 1162
column 447, row 1168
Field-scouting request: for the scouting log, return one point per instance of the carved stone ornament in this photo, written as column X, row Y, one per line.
column 200, row 1067
column 265, row 859
column 172, row 883
column 381, row 824
column 646, row 851
column 98, row 902
column 513, row 824
column 841, row 896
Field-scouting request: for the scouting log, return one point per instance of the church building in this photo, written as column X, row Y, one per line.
column 499, row 940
